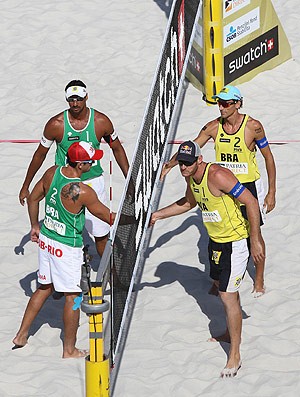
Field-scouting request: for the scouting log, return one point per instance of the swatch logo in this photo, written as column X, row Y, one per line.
column 251, row 55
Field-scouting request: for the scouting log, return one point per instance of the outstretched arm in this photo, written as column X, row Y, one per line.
column 178, row 207
column 89, row 199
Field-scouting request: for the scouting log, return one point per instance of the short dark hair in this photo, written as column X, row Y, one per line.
column 73, row 83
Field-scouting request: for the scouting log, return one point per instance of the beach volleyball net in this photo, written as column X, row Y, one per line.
column 122, row 262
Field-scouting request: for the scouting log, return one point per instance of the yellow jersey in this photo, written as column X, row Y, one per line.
column 233, row 153
column 221, row 216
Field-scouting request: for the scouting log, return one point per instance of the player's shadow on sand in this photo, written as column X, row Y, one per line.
column 194, row 220
column 52, row 311
column 165, row 6
column 196, row 284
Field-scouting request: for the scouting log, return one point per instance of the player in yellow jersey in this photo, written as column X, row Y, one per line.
column 236, row 138
column 218, row 194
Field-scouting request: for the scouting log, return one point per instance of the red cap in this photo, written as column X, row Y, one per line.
column 83, row 151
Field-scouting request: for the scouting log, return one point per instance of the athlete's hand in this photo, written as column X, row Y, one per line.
column 35, row 232
column 153, row 219
column 24, row 193
column 166, row 168
column 269, row 203
column 257, row 249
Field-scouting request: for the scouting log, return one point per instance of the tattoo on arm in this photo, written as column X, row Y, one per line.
column 204, row 128
column 258, row 130
column 71, row 191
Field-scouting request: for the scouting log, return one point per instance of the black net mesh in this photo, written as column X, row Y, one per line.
column 150, row 147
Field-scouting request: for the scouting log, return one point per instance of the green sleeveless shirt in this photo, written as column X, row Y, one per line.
column 86, row 135
column 221, row 216
column 60, row 224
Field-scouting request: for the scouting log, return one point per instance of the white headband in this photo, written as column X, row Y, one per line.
column 76, row 90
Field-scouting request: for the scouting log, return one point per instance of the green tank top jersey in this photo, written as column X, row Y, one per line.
column 233, row 153
column 221, row 216
column 60, row 224
column 86, row 135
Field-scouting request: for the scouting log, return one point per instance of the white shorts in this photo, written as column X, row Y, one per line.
column 60, row 265
column 94, row 225
column 228, row 263
column 261, row 197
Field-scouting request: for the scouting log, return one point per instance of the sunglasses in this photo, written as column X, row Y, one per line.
column 86, row 162
column 186, row 163
column 77, row 98
column 225, row 104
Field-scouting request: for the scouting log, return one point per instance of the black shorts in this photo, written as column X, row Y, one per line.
column 251, row 186
column 228, row 262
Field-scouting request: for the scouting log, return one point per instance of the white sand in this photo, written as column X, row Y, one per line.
column 113, row 46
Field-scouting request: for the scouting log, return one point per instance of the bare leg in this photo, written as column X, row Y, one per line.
column 33, row 307
column 100, row 244
column 71, row 323
column 259, row 288
column 233, row 311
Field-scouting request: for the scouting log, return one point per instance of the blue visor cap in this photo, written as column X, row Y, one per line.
column 229, row 92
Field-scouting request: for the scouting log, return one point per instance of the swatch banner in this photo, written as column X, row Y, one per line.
column 253, row 41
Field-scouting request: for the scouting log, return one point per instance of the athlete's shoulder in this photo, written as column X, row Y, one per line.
column 254, row 127
column 54, row 125
column 213, row 125
column 48, row 175
column 103, row 124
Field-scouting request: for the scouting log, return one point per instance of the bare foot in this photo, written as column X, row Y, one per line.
column 231, row 371
column 19, row 341
column 222, row 338
column 77, row 353
column 257, row 292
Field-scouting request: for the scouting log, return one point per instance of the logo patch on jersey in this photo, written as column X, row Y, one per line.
column 196, row 190
column 225, row 140
column 216, row 256
column 73, row 138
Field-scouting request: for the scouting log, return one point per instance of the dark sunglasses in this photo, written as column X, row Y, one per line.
column 186, row 163
column 225, row 104
column 77, row 98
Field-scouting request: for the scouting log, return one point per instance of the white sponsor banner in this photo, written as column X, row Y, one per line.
column 199, row 36
column 231, row 6
column 241, row 27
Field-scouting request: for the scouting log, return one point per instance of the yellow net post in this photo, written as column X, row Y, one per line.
column 213, row 48
column 96, row 364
